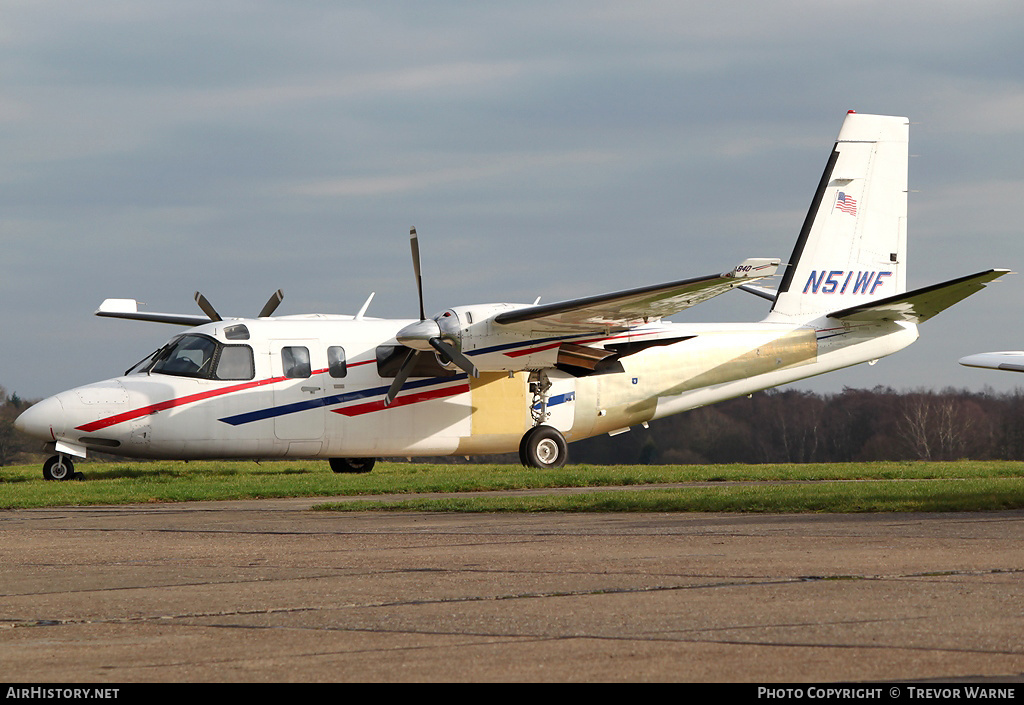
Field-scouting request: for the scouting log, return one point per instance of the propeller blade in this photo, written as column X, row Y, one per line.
column 272, row 304
column 207, row 308
column 403, row 374
column 453, row 356
column 414, row 243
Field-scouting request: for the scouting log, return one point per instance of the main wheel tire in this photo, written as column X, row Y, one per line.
column 352, row 465
column 543, row 447
column 58, row 467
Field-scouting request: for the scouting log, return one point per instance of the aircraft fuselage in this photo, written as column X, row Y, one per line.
column 314, row 387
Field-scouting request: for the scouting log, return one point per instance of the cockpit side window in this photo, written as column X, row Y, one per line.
column 236, row 363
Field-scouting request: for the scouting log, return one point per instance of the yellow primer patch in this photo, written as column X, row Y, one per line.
column 499, row 403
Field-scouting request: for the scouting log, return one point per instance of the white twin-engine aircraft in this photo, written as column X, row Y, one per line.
column 495, row 378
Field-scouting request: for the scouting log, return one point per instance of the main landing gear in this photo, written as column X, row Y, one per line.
column 543, row 447
column 352, row 465
column 60, row 467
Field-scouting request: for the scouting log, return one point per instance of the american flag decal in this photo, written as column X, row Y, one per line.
column 846, row 204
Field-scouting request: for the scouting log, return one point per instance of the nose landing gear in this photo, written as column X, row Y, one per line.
column 60, row 467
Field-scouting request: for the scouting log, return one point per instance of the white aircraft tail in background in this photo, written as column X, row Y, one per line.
column 497, row 378
column 1011, row 360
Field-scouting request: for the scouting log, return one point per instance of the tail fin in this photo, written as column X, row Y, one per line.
column 852, row 248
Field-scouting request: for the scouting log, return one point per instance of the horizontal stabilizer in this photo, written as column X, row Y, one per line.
column 129, row 309
column 770, row 294
column 622, row 309
column 755, row 268
column 921, row 304
column 1012, row 360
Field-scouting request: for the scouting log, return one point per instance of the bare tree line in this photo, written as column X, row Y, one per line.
column 776, row 426
column 13, row 444
column 792, row 426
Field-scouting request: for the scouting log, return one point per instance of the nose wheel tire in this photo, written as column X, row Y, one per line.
column 352, row 465
column 543, row 447
column 59, row 467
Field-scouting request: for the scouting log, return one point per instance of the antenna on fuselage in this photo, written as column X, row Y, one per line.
column 362, row 311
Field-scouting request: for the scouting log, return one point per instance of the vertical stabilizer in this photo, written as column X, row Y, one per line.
column 852, row 248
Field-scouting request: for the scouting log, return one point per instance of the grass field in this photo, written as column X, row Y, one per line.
column 839, row 487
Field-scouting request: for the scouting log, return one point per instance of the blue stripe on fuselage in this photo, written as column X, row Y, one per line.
column 284, row 409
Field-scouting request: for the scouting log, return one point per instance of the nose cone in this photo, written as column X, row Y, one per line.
column 45, row 420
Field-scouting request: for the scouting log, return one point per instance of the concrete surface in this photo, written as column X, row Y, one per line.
column 268, row 591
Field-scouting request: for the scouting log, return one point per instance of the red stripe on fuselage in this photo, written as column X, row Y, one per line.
column 369, row 407
column 171, row 403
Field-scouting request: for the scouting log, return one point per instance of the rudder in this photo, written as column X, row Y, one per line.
column 852, row 247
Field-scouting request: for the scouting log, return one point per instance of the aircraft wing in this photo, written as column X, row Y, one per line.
column 919, row 305
column 129, row 308
column 623, row 309
column 1012, row 360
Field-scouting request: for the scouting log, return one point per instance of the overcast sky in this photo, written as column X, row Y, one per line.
column 556, row 149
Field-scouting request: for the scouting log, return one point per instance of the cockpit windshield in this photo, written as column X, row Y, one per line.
column 199, row 356
column 189, row 356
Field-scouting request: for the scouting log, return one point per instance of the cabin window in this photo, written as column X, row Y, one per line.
column 336, row 365
column 295, row 362
column 236, row 363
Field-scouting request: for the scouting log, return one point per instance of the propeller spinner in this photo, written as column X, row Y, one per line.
column 424, row 336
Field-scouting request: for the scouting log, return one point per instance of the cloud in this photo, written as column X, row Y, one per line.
column 555, row 149
column 494, row 169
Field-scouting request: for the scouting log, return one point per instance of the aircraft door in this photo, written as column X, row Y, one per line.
column 299, row 396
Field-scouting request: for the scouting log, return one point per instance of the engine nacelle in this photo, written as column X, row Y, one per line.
column 492, row 348
column 496, row 348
